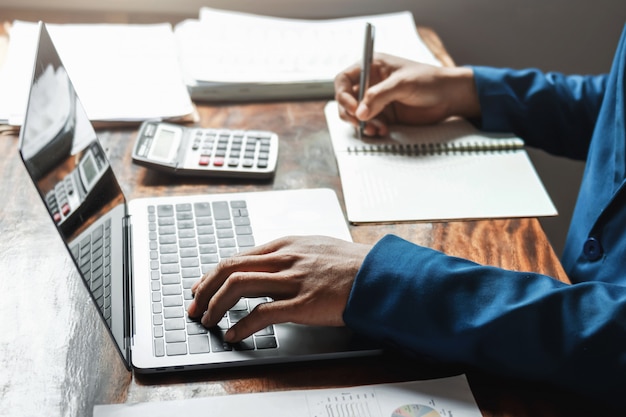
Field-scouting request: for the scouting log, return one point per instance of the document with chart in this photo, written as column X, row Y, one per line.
column 447, row 171
column 443, row 397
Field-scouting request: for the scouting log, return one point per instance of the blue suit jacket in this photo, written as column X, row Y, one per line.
column 519, row 324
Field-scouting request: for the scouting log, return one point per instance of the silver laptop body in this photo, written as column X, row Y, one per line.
column 117, row 245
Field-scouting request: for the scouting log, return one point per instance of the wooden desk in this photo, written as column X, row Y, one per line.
column 57, row 359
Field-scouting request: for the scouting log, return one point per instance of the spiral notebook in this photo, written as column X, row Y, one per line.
column 448, row 171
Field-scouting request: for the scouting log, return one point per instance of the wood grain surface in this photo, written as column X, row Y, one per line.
column 57, row 358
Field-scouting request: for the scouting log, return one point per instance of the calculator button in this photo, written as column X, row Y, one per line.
column 225, row 152
column 150, row 129
column 70, row 187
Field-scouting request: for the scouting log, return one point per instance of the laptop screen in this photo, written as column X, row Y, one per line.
column 71, row 172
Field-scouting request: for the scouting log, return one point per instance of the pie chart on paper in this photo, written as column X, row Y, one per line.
column 415, row 410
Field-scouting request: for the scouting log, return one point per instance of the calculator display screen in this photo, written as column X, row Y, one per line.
column 89, row 168
column 162, row 145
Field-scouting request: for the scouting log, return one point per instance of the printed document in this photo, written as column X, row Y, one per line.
column 232, row 55
column 444, row 397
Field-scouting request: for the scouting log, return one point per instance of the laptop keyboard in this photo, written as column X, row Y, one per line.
column 93, row 254
column 186, row 241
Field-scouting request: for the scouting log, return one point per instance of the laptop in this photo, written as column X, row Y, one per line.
column 139, row 258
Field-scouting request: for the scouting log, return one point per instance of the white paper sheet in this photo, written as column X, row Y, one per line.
column 399, row 185
column 444, row 397
column 239, row 47
column 120, row 72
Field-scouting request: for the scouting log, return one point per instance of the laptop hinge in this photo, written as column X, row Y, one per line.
column 129, row 323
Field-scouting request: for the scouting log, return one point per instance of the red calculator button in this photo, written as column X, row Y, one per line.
column 204, row 160
column 56, row 216
column 218, row 161
column 65, row 209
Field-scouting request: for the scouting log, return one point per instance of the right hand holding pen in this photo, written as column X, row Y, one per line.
column 405, row 92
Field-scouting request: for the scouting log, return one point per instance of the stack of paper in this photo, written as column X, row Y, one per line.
column 137, row 72
column 123, row 73
column 238, row 56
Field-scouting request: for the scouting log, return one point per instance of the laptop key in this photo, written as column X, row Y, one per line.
column 245, row 344
column 165, row 210
column 174, row 324
column 266, row 342
column 202, row 209
column 194, row 328
column 228, row 252
column 172, row 300
column 171, row 289
column 268, row 331
column 168, row 279
column 199, row 344
column 159, row 347
column 217, row 342
column 221, row 210
column 245, row 241
column 192, row 240
column 173, row 312
column 175, row 349
column 158, row 331
column 175, row 336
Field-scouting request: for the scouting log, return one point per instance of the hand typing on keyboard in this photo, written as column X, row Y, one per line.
column 309, row 278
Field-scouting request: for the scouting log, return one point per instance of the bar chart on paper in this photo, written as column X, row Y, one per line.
column 363, row 403
column 443, row 397
column 345, row 404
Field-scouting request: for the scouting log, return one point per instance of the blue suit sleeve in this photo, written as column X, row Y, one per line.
column 517, row 324
column 551, row 111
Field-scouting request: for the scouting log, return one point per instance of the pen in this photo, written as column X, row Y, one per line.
column 368, row 51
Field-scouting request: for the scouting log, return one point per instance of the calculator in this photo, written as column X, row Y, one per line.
column 184, row 150
column 69, row 194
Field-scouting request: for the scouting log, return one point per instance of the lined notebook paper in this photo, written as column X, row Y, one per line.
column 448, row 171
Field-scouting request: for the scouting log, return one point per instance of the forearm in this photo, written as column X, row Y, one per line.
column 523, row 325
column 459, row 92
column 550, row 111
